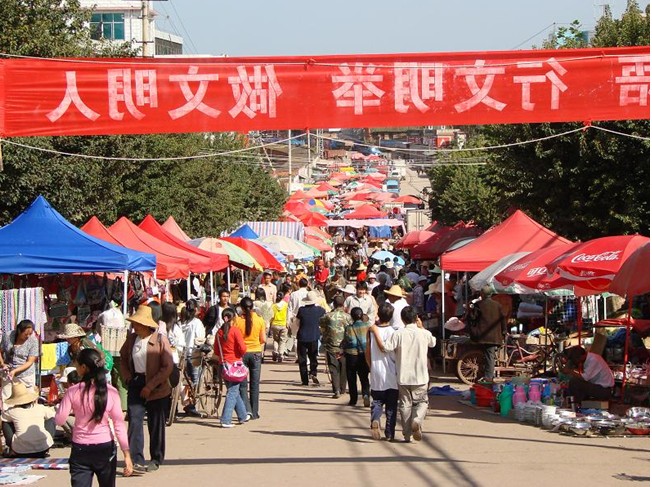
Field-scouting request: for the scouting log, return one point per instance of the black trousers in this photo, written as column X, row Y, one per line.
column 305, row 350
column 156, row 416
column 87, row 461
column 356, row 367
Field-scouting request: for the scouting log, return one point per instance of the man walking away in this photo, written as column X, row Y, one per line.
column 382, row 365
column 332, row 333
column 355, row 344
column 492, row 329
column 410, row 345
column 308, row 336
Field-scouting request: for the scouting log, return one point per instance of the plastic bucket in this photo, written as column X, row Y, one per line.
column 484, row 396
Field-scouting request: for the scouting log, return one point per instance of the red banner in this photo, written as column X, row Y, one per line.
column 137, row 96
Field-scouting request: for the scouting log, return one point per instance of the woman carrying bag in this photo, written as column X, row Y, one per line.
column 230, row 348
column 94, row 404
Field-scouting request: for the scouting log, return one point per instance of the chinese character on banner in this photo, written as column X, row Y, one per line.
column 635, row 80
column 195, row 101
column 552, row 75
column 357, row 88
column 120, row 90
column 72, row 97
column 415, row 83
column 480, row 95
column 255, row 93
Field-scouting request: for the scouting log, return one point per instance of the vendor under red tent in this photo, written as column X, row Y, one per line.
column 217, row 262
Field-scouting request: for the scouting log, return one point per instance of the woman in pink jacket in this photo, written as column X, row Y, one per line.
column 93, row 402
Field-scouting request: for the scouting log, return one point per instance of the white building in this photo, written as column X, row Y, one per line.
column 132, row 20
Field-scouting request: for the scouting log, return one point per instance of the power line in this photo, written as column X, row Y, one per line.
column 184, row 27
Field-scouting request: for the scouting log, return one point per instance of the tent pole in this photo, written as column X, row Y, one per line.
column 545, row 330
column 124, row 293
column 578, row 312
column 626, row 351
column 228, row 278
column 212, row 289
column 443, row 331
column 188, row 285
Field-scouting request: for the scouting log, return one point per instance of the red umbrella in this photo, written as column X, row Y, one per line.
column 600, row 257
column 413, row 238
column 316, row 193
column 364, row 212
column 411, row 200
column 313, row 219
column 324, row 186
column 296, row 207
column 633, row 278
column 299, row 195
column 318, row 243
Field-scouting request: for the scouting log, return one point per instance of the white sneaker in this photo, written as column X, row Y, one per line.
column 226, row 425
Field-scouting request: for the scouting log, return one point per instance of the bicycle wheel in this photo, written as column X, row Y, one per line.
column 206, row 391
column 219, row 388
column 174, row 400
column 470, row 366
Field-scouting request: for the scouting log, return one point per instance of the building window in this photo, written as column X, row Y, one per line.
column 108, row 26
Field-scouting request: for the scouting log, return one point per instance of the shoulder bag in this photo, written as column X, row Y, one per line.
column 231, row 372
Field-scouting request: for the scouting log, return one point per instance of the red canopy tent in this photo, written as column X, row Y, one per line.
column 318, row 243
column 168, row 266
column 413, row 238
column 324, row 186
column 257, row 251
column 442, row 240
column 173, row 227
column 316, row 193
column 296, row 207
column 217, row 262
column 365, row 212
column 133, row 237
column 518, row 233
column 313, row 219
column 299, row 195
column 411, row 200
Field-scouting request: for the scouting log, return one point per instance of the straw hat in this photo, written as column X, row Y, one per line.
column 311, row 298
column 395, row 290
column 432, row 289
column 361, row 267
column 20, row 395
column 72, row 330
column 143, row 316
column 349, row 289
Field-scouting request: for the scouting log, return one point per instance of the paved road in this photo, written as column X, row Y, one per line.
column 306, row 438
column 413, row 183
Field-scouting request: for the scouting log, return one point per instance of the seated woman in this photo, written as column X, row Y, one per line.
column 591, row 377
column 28, row 427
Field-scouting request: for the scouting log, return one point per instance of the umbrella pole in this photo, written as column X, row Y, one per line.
column 188, row 285
column 578, row 312
column 626, row 352
column 125, row 283
column 228, row 278
column 210, row 276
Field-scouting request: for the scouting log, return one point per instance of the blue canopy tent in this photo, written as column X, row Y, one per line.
column 41, row 241
column 380, row 232
column 245, row 231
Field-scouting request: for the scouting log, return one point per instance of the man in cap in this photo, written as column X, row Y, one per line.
column 492, row 327
column 269, row 288
column 395, row 297
column 309, row 316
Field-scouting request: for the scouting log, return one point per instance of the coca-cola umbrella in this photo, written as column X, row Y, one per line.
column 633, row 278
column 597, row 258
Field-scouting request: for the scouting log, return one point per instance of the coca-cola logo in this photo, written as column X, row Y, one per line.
column 536, row 271
column 609, row 255
column 518, row 267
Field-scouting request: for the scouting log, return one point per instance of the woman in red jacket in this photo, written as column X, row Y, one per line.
column 233, row 349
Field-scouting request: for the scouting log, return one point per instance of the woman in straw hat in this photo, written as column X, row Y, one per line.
column 93, row 402
column 19, row 354
column 27, row 426
column 146, row 366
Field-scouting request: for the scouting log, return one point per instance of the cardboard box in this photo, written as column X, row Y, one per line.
column 595, row 405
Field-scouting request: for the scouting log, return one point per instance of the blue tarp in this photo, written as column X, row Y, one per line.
column 244, row 231
column 41, row 241
column 380, row 232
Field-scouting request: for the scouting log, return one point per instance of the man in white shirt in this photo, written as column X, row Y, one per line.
column 295, row 303
column 591, row 376
column 410, row 346
column 362, row 300
column 268, row 287
column 372, row 282
column 395, row 298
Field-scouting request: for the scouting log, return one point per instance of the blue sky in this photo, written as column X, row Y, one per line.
column 291, row 27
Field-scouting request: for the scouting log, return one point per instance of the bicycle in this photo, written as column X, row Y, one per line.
column 206, row 394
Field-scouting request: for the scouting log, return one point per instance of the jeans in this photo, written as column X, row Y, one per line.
column 156, row 416
column 253, row 362
column 232, row 402
column 193, row 372
column 307, row 350
column 356, row 365
column 89, row 460
column 337, row 369
column 389, row 399
column 413, row 405
column 489, row 361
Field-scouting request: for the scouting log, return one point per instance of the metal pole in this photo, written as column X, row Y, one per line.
column 289, row 161
column 124, row 293
column 212, row 289
column 228, row 278
column 309, row 158
column 188, row 285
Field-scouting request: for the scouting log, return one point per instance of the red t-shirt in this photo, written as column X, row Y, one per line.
column 233, row 348
column 321, row 276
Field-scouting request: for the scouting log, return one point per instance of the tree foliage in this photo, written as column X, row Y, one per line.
column 582, row 185
column 206, row 195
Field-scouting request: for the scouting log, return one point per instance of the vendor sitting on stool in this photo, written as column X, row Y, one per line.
column 28, row 427
column 591, row 377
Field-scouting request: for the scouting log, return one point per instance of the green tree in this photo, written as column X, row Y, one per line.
column 583, row 185
column 205, row 195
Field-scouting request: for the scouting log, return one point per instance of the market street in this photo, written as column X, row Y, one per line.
column 306, row 438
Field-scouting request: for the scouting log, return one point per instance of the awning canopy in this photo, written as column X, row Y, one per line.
column 173, row 227
column 41, row 241
column 518, row 233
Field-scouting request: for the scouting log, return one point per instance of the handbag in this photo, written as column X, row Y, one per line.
column 232, row 372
